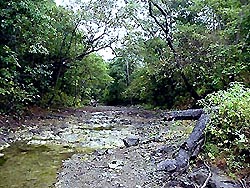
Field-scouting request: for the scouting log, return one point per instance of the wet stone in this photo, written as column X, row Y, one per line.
column 131, row 141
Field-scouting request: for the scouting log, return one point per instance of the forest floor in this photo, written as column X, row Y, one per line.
column 92, row 141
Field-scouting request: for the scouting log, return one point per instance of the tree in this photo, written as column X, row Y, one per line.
column 113, row 93
column 93, row 30
column 40, row 42
column 87, row 79
column 207, row 59
column 24, row 54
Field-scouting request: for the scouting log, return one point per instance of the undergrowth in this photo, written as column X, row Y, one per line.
column 228, row 133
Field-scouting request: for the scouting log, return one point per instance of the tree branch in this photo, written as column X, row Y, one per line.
column 165, row 29
column 81, row 56
column 208, row 177
column 155, row 19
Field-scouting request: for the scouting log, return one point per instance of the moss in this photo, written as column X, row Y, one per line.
column 2, row 160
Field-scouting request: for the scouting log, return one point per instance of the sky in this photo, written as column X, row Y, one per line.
column 61, row 2
column 105, row 53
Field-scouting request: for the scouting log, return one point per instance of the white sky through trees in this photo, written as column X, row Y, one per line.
column 105, row 53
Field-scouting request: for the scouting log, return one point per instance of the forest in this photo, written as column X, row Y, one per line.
column 168, row 55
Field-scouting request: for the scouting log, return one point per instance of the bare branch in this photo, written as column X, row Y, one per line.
column 208, row 177
column 164, row 13
column 81, row 56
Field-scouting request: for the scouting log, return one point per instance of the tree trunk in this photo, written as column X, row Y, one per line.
column 191, row 147
column 191, row 114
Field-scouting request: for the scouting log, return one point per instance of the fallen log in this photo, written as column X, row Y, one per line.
column 191, row 114
column 191, row 147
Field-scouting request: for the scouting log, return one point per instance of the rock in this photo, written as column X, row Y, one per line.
column 1, row 155
column 115, row 164
column 166, row 149
column 100, row 152
column 216, row 180
column 199, row 177
column 168, row 165
column 179, row 184
column 130, row 141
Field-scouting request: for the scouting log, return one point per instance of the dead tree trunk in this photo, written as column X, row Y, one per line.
column 191, row 147
column 192, row 114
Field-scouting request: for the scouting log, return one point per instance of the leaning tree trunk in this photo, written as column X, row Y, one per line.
column 191, row 147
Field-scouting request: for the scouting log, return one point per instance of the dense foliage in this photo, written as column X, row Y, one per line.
column 167, row 54
column 228, row 132
column 46, row 57
column 211, row 44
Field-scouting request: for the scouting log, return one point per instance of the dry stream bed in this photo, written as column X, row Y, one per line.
column 85, row 148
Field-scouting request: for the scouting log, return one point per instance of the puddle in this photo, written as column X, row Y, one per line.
column 29, row 166
column 34, row 161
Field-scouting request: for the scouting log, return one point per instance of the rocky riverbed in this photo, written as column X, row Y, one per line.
column 95, row 147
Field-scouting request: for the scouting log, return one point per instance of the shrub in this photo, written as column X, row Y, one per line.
column 228, row 131
column 57, row 98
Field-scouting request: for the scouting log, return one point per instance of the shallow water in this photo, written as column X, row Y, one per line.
column 35, row 162
column 31, row 166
